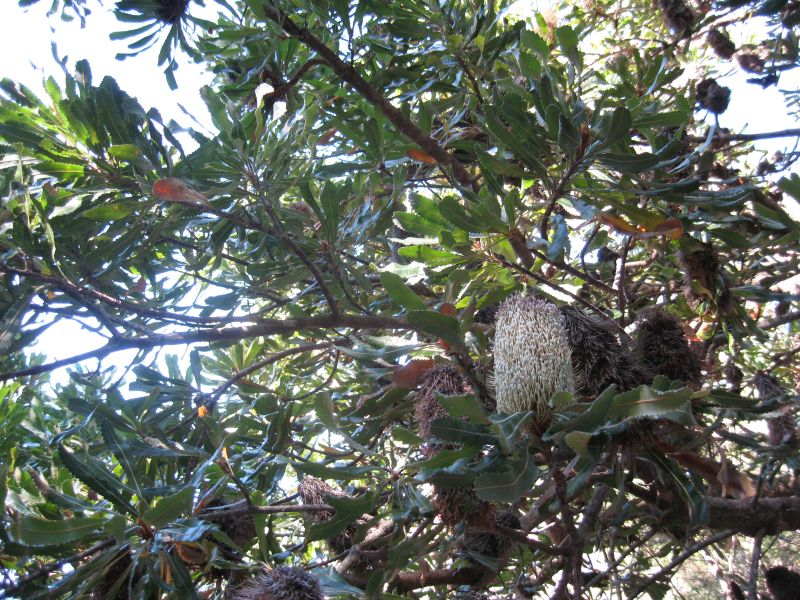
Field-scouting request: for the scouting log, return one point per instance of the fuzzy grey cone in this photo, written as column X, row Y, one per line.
column 283, row 583
column 531, row 356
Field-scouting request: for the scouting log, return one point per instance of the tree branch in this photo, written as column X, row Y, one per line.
column 362, row 86
column 229, row 334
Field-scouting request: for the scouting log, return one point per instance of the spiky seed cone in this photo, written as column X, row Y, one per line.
column 664, row 350
column 490, row 544
column 531, row 356
column 240, row 527
column 701, row 269
column 783, row 583
column 170, row 11
column 459, row 504
column 598, row 359
column 283, row 583
column 734, row 376
column 713, row 96
column 781, row 431
column 677, row 15
column 121, row 566
column 752, row 63
column 446, row 381
column 721, row 44
column 767, row 386
column 313, row 491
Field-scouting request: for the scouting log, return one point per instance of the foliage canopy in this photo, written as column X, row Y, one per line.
column 383, row 176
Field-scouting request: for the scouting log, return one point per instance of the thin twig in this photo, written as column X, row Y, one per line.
column 755, row 559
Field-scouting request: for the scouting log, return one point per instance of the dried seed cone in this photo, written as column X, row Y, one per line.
column 170, row 11
column 121, row 566
column 721, row 44
column 459, row 504
column 239, row 527
column 752, row 63
column 283, row 583
column 446, row 381
column 677, row 15
column 531, row 356
column 783, row 583
column 701, row 268
column 490, row 544
column 313, row 491
column 598, row 359
column 664, row 350
column 713, row 96
column 767, row 386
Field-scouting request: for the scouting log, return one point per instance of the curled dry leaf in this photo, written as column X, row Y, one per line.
column 410, row 374
column 421, row 156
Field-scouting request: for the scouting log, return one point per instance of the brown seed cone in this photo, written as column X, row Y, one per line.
column 460, row 504
column 703, row 278
column 313, row 491
column 768, row 386
column 598, row 359
column 120, row 566
column 494, row 545
column 170, row 11
column 282, row 583
column 782, row 431
column 734, row 376
column 752, row 63
column 664, row 350
column 713, row 96
column 721, row 44
column 783, row 583
column 677, row 15
column 446, row 381
column 240, row 527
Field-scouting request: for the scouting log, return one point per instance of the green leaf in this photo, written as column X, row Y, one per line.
column 110, row 212
column 511, row 482
column 443, row 326
column 619, row 127
column 629, row 163
column 34, row 531
column 644, row 401
column 534, row 42
column 401, row 293
column 464, row 406
column 95, row 475
column 170, row 508
column 509, row 427
column 452, row 430
column 347, row 510
column 578, row 441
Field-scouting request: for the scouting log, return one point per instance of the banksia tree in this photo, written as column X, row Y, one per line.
column 703, row 279
column 282, row 583
column 677, row 16
column 664, row 350
column 233, row 519
column 782, row 428
column 314, row 491
column 531, row 356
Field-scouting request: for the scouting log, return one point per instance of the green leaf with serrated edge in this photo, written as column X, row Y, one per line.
column 629, row 163
column 443, row 326
column 509, row 426
column 401, row 293
column 34, row 531
column 332, row 583
column 445, row 458
column 170, row 508
column 95, row 475
column 644, row 401
column 593, row 417
column 451, row 210
column 406, row 436
column 464, row 406
column 619, row 127
column 452, row 430
column 534, row 42
column 338, row 473
column 511, row 483
column 110, row 212
column 346, row 511
column 578, row 441
column 113, row 442
column 724, row 399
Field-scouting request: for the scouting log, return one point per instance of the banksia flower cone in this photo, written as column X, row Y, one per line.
column 677, row 15
column 531, row 355
column 283, row 583
column 783, row 583
column 664, row 349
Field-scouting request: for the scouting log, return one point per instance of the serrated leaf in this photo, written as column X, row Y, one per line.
column 452, row 430
column 34, row 531
column 629, row 163
column 170, row 508
column 401, row 293
column 464, row 406
column 509, row 484
column 95, row 475
column 437, row 324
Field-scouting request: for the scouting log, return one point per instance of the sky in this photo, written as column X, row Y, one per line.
column 28, row 58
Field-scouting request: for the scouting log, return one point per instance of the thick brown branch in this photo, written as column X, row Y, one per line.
column 350, row 75
column 412, row 580
column 772, row 515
